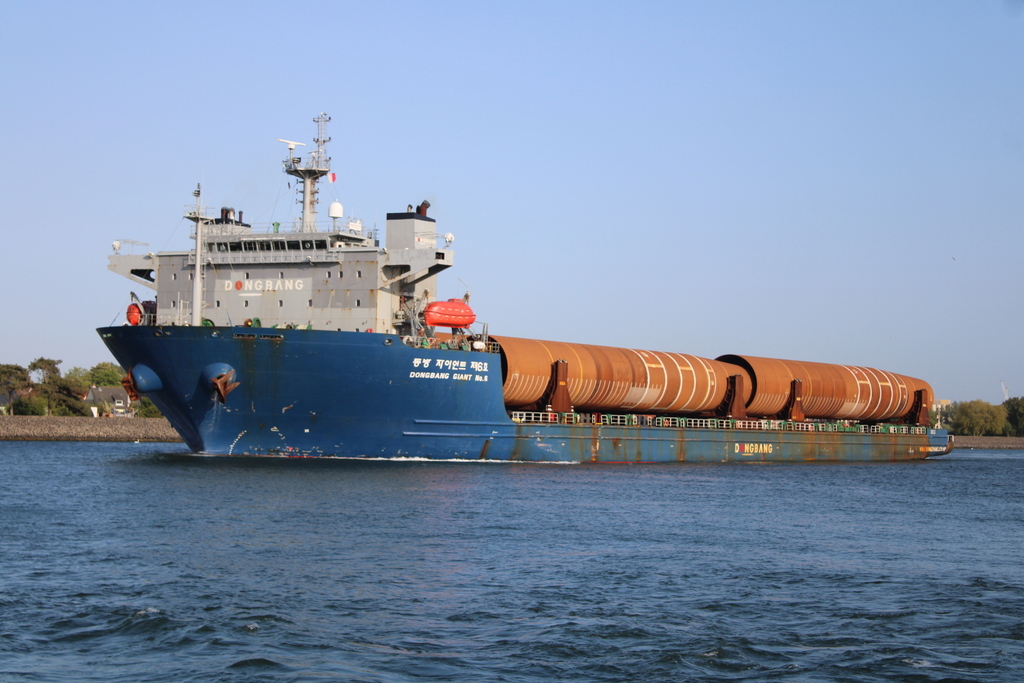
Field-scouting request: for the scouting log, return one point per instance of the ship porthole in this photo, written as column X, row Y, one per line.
column 388, row 342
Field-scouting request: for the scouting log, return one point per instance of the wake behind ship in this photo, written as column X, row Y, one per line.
column 315, row 340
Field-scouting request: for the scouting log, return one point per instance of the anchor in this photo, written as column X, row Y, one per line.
column 223, row 385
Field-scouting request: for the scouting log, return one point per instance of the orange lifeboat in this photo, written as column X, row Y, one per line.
column 139, row 311
column 451, row 313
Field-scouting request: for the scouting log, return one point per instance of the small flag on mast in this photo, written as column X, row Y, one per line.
column 332, row 177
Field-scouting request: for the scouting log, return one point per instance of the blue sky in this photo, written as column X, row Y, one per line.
column 827, row 181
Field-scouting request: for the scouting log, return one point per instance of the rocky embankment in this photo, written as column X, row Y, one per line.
column 32, row 428
column 994, row 442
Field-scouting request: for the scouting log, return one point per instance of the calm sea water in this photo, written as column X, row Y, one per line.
column 134, row 562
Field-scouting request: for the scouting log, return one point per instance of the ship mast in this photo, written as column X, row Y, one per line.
column 317, row 165
column 197, row 276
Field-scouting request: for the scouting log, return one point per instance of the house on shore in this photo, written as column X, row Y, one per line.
column 109, row 402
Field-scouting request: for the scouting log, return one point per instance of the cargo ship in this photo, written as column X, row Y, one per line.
column 325, row 339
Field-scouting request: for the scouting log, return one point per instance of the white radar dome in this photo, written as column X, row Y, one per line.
column 336, row 210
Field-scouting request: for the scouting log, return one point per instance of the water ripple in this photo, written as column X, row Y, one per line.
column 124, row 562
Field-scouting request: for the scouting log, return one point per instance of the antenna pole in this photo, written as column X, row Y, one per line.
column 197, row 276
column 317, row 166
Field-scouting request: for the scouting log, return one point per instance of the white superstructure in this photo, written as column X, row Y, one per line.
column 332, row 275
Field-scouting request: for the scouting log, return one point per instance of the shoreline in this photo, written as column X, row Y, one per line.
column 37, row 428
column 1000, row 443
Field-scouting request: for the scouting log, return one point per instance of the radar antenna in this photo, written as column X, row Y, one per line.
column 291, row 145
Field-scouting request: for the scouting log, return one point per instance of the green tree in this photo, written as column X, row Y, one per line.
column 13, row 378
column 78, row 374
column 63, row 396
column 106, row 375
column 147, row 409
column 1014, row 416
column 976, row 418
column 46, row 368
column 29, row 405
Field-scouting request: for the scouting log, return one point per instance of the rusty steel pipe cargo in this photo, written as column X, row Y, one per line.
column 839, row 392
column 604, row 378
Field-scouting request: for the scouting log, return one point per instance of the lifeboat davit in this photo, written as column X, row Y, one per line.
column 452, row 313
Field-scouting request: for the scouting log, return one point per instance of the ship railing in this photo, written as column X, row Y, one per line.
column 288, row 228
column 616, row 420
column 836, row 427
column 760, row 424
column 707, row 423
column 623, row 420
column 220, row 258
column 631, row 420
column 893, row 429
column 448, row 344
column 594, row 419
column 536, row 417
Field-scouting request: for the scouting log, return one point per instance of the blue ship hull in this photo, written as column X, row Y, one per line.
column 314, row 393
